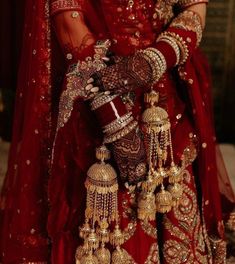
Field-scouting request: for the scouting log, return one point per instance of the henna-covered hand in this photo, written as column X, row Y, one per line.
column 129, row 154
column 125, row 75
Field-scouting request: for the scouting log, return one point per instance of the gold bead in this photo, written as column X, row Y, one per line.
column 117, row 237
column 175, row 190
column 103, row 255
column 89, row 259
column 163, row 201
column 75, row 14
column 147, row 207
column 102, row 153
column 204, row 145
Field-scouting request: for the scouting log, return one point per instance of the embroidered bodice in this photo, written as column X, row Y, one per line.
column 136, row 24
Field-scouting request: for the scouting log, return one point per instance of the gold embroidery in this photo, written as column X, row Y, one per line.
column 218, row 247
column 190, row 245
column 149, row 229
column 174, row 230
column 231, row 221
column 187, row 3
column 62, row 5
column 190, row 152
column 189, row 20
column 37, row 262
column 200, row 244
column 153, row 257
column 76, row 82
column 129, row 231
column 187, row 208
column 177, row 253
column 163, row 10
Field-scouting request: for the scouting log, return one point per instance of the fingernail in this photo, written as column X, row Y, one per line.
column 105, row 59
column 88, row 87
column 90, row 80
column 95, row 89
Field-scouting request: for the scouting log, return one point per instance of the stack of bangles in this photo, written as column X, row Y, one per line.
column 157, row 62
column 156, row 58
column 173, row 43
column 117, row 122
column 178, row 44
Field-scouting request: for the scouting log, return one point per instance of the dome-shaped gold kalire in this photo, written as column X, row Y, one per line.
column 102, row 187
column 101, row 210
column 155, row 117
column 101, row 174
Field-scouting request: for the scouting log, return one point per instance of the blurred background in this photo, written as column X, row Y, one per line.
column 218, row 44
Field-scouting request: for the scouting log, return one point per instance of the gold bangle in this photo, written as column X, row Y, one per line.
column 121, row 133
column 171, row 41
column 98, row 101
column 118, row 124
column 184, row 52
column 157, row 62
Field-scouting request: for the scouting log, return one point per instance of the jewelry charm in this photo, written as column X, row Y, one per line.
column 157, row 136
column 101, row 211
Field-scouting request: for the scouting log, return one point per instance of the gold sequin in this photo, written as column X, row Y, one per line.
column 32, row 231
column 75, row 14
column 69, row 56
column 178, row 116
column 149, row 229
column 153, row 257
column 204, row 145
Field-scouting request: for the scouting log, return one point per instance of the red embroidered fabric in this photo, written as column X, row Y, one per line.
column 33, row 229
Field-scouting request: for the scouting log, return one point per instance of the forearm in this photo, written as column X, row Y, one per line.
column 172, row 48
column 72, row 33
column 178, row 42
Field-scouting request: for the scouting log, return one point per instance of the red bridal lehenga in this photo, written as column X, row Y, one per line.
column 43, row 200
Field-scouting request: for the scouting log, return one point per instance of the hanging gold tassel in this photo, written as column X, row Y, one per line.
column 163, row 201
column 176, row 192
column 157, row 136
column 101, row 210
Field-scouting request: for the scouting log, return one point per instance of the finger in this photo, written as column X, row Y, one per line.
column 106, row 59
column 89, row 87
column 95, row 89
column 91, row 96
column 91, row 80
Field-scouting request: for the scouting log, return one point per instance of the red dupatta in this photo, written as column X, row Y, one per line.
column 23, row 198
